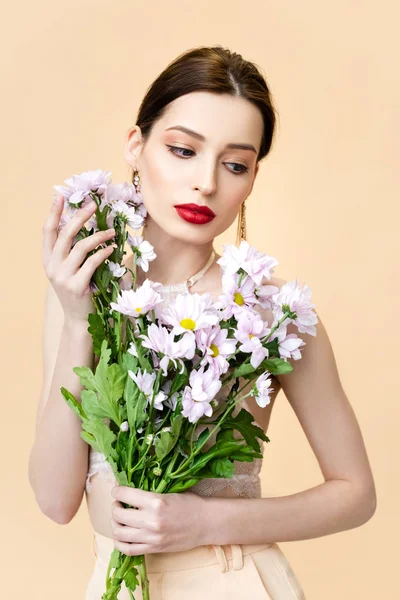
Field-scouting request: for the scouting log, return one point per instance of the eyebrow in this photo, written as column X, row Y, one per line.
column 203, row 139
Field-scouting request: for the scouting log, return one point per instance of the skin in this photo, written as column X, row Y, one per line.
column 176, row 522
column 208, row 174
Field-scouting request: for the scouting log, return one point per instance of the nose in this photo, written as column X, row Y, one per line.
column 206, row 176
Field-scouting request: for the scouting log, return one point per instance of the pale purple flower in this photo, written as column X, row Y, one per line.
column 197, row 397
column 161, row 340
column 262, row 390
column 145, row 382
column 172, row 399
column 289, row 347
column 250, row 329
column 126, row 282
column 116, row 269
column 246, row 257
column 214, row 343
column 236, row 298
column 257, row 265
column 140, row 301
column 80, row 186
column 190, row 312
column 144, row 250
column 297, row 299
column 123, row 191
column 132, row 349
column 126, row 213
column 264, row 295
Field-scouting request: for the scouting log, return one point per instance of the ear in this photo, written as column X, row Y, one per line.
column 133, row 145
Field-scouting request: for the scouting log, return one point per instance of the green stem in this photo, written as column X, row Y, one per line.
column 224, row 416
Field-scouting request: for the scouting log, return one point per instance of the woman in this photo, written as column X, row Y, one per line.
column 202, row 129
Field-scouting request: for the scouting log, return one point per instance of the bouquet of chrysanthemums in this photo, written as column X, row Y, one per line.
column 161, row 365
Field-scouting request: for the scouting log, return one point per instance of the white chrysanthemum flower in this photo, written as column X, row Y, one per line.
column 262, row 389
column 190, row 312
column 80, row 186
column 144, row 250
column 127, row 214
column 116, row 269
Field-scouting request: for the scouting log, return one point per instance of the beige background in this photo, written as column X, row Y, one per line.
column 73, row 76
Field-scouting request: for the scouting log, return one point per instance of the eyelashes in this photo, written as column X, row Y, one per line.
column 175, row 151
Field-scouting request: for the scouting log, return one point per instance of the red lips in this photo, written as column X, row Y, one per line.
column 204, row 210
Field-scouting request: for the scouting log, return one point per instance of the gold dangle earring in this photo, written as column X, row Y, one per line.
column 136, row 183
column 136, row 180
column 241, row 230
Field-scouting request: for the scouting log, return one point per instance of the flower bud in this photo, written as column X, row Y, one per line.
column 157, row 471
column 149, row 438
column 124, row 426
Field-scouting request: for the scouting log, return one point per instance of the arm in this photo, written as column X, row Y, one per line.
column 347, row 497
column 59, row 457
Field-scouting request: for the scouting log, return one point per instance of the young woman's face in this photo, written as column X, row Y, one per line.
column 177, row 167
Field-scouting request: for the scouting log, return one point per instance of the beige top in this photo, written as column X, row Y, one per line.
column 246, row 479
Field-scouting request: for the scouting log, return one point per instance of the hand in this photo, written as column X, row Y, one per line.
column 163, row 522
column 64, row 269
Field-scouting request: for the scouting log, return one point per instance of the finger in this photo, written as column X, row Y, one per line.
column 50, row 228
column 81, row 249
column 130, row 535
column 134, row 496
column 127, row 516
column 134, row 549
column 83, row 276
column 68, row 233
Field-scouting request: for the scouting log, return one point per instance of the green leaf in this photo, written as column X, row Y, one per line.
column 131, row 396
column 73, row 403
column 201, row 438
column 97, row 331
column 184, row 484
column 143, row 360
column 93, row 408
column 129, row 362
column 244, row 369
column 131, row 579
column 109, row 382
column 222, row 467
column 164, row 445
column 242, row 422
column 276, row 366
column 104, row 437
column 86, row 377
column 115, row 559
column 225, row 435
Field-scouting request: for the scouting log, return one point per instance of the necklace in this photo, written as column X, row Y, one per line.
column 188, row 283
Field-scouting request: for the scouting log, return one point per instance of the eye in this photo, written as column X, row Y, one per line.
column 175, row 150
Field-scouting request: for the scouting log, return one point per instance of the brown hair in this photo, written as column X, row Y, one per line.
column 213, row 69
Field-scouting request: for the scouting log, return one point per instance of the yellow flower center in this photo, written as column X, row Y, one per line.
column 238, row 299
column 188, row 324
column 251, row 335
column 138, row 309
column 215, row 350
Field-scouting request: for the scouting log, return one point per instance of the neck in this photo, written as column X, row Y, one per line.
column 176, row 261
